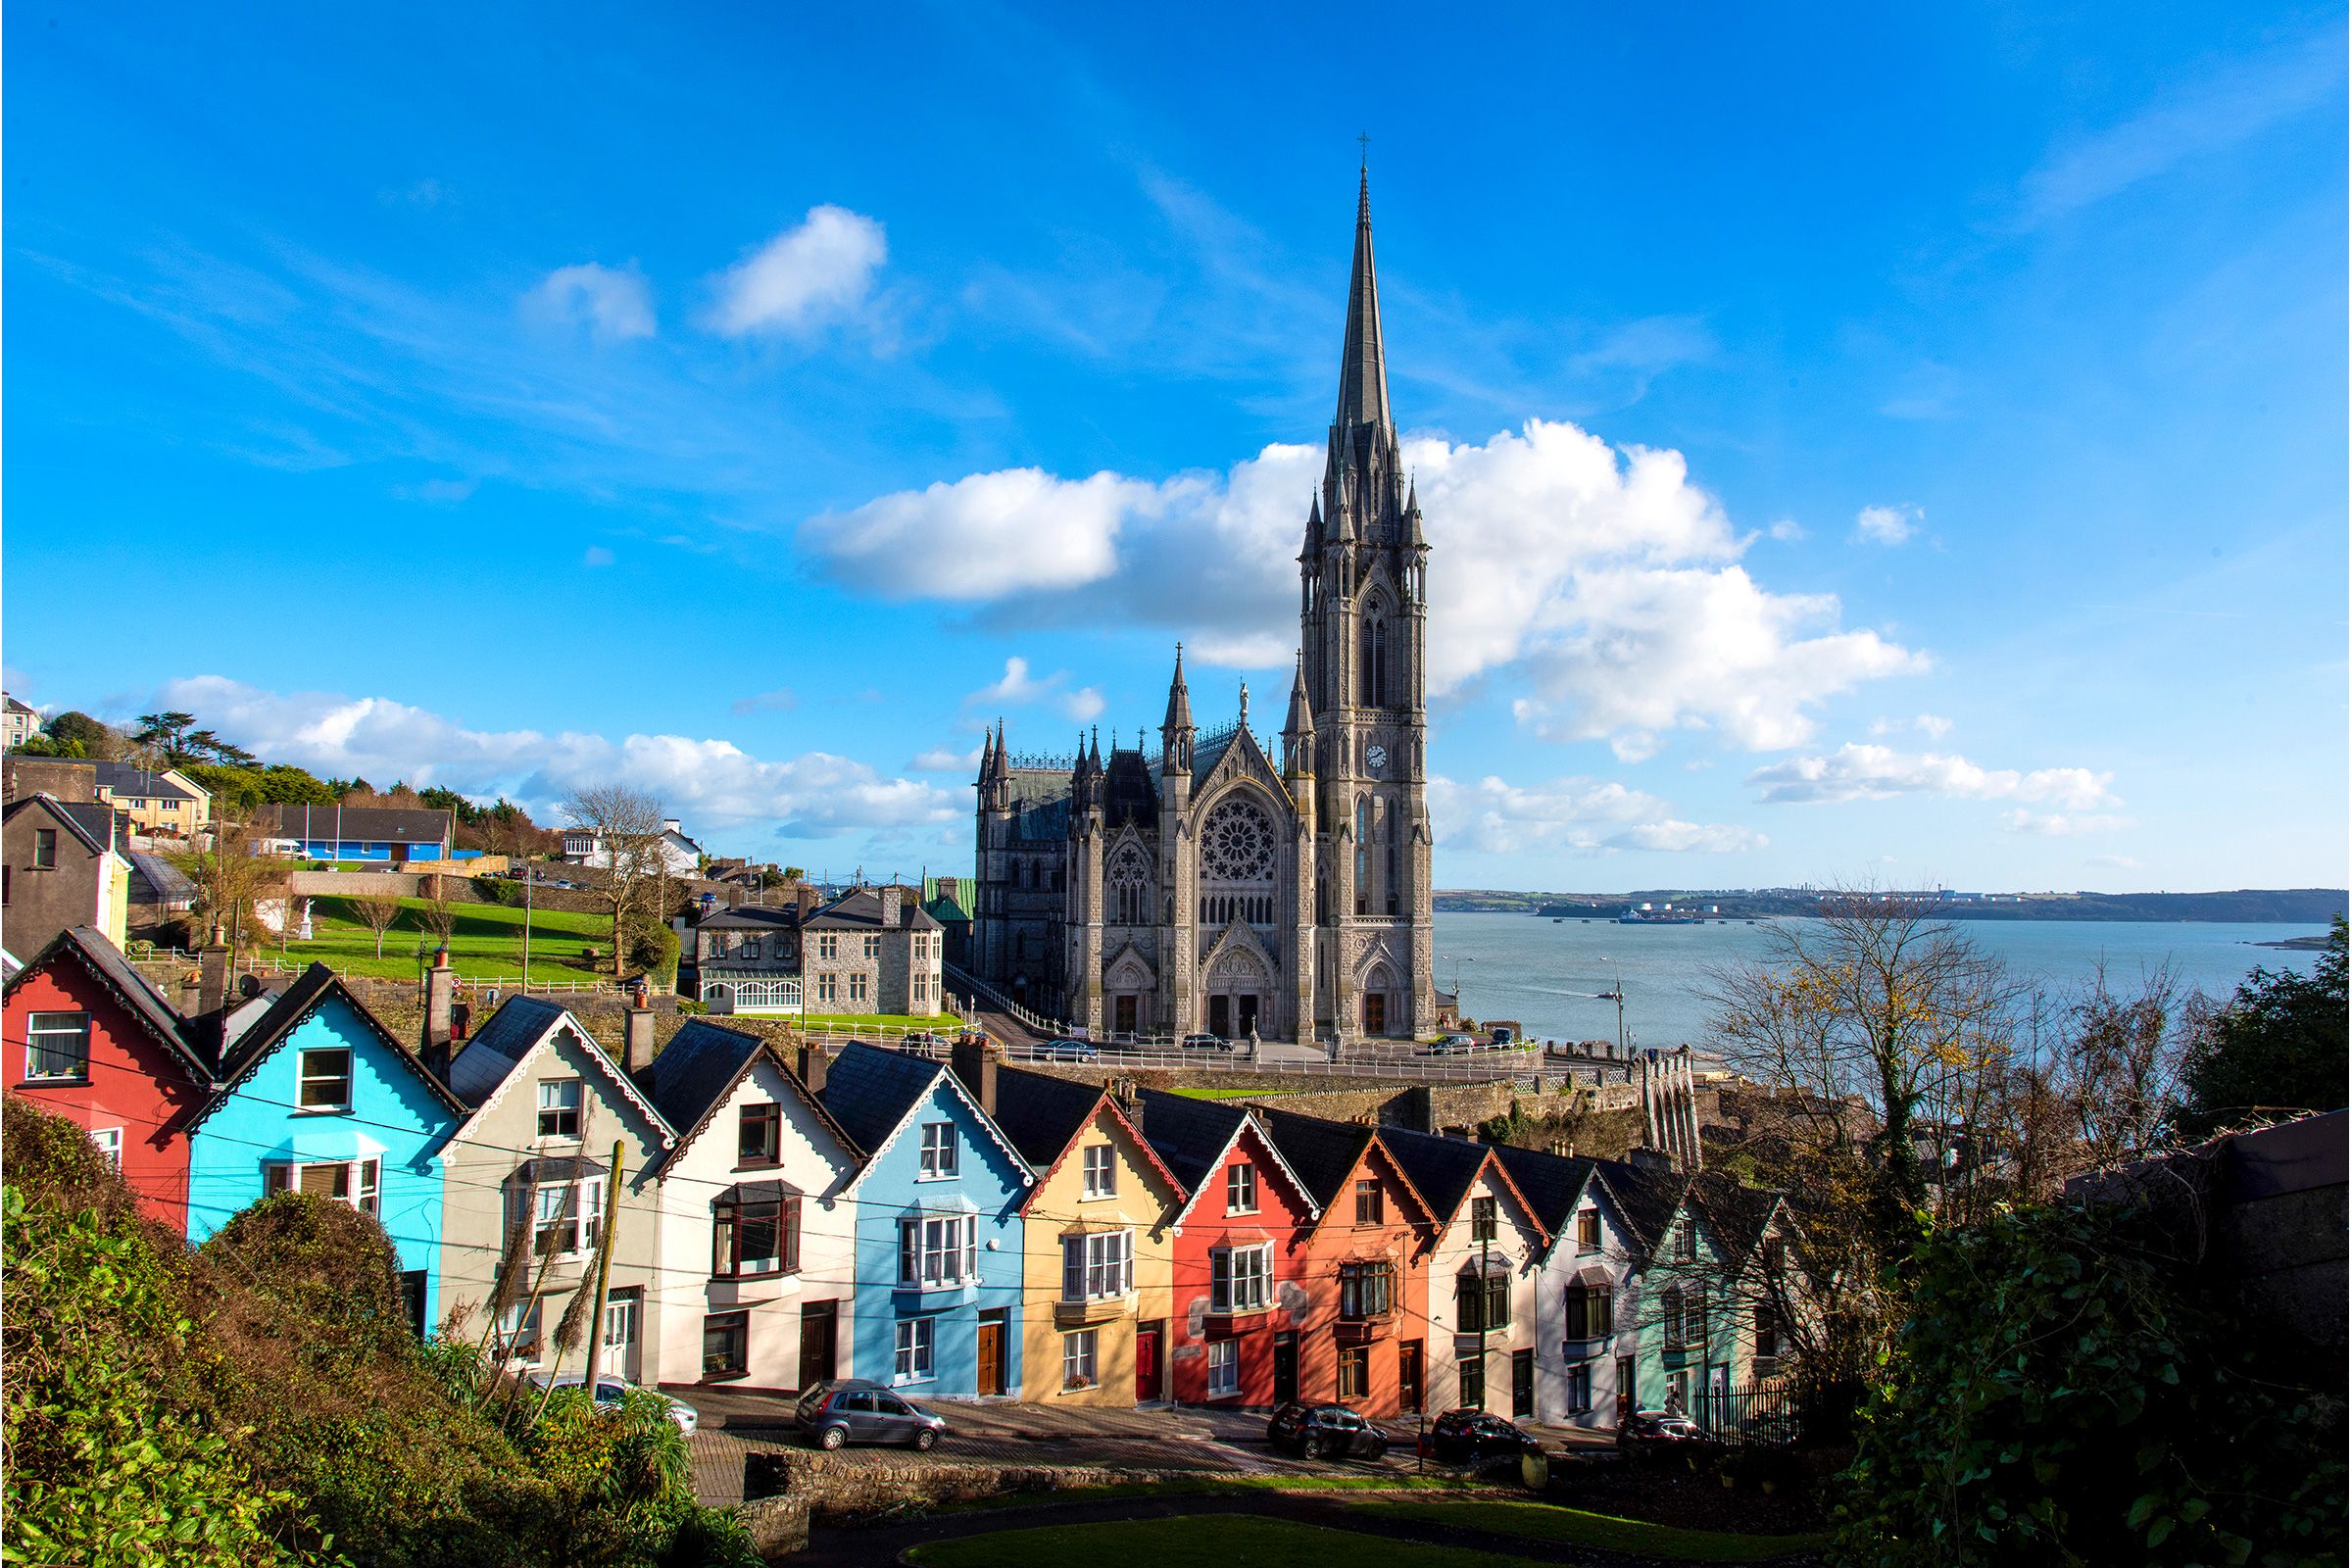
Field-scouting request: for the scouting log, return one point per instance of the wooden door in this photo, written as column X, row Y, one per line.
column 1122, row 1014
column 1146, row 1363
column 1408, row 1375
column 1523, row 1383
column 818, row 1323
column 1286, row 1367
column 1376, row 1012
column 1220, row 1017
column 992, row 1357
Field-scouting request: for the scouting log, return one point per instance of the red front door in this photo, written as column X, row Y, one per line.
column 1146, row 1363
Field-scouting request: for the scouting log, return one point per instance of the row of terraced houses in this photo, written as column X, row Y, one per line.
column 958, row 1229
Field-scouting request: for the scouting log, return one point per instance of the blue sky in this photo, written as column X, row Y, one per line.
column 1891, row 443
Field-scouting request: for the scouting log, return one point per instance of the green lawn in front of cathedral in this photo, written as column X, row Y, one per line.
column 944, row 1022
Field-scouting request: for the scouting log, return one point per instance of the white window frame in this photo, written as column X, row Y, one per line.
column 622, row 1312
column 362, row 1180
column 1100, row 1171
column 1241, row 1279
column 1097, row 1267
column 1224, row 1368
column 79, row 1031
column 109, row 1142
column 939, row 1252
column 911, row 1350
column 521, row 1320
column 827, row 944
column 584, row 1199
column 304, row 1078
column 1241, row 1189
column 938, row 1156
column 552, row 1104
column 1078, row 1358
column 873, row 947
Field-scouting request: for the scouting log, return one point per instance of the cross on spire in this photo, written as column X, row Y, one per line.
column 1363, row 143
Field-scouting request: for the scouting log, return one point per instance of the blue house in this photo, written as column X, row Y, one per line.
column 317, row 1096
column 391, row 835
column 938, row 1209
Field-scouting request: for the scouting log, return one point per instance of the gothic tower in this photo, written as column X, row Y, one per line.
column 1364, row 607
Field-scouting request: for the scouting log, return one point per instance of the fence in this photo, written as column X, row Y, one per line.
column 1753, row 1417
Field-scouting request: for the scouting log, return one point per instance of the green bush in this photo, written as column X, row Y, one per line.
column 2061, row 1393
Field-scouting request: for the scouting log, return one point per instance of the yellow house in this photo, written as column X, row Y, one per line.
column 1098, row 1245
column 157, row 800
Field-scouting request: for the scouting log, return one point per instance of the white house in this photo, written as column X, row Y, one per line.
column 758, row 1241
column 1580, row 1360
column 1483, row 1273
column 680, row 854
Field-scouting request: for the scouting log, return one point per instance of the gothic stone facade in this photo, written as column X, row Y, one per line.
column 1211, row 888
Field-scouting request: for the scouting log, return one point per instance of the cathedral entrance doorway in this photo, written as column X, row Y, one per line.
column 1232, row 1017
column 1376, row 1013
column 1122, row 1014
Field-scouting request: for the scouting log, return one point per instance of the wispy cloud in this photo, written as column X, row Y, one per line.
column 1582, row 815
column 818, row 272
column 783, row 700
column 1887, row 525
column 611, row 303
column 1857, row 773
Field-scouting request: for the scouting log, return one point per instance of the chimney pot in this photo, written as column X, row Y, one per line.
column 637, row 1042
column 811, row 1065
column 440, row 1001
column 974, row 1060
column 212, row 974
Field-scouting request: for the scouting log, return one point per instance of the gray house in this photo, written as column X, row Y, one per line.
column 873, row 949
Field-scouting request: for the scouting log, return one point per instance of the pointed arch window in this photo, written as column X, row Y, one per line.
column 1375, row 664
column 1363, row 834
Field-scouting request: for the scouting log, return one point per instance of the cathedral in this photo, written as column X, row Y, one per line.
column 1212, row 888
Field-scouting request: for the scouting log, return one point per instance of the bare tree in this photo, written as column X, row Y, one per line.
column 2100, row 1079
column 377, row 912
column 231, row 877
column 440, row 912
column 627, row 824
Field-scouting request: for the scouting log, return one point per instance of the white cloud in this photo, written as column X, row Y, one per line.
column 1928, row 724
column 611, row 303
column 1787, row 530
column 1856, row 772
column 2059, row 825
column 946, row 759
column 1608, row 575
column 710, row 783
column 1015, row 688
column 818, row 271
column 1084, row 704
column 1580, row 814
column 1887, row 525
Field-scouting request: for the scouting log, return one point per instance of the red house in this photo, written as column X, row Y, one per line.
column 88, row 1039
column 1241, row 1299
column 1364, row 1339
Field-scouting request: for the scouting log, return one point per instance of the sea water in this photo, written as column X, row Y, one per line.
column 1547, row 973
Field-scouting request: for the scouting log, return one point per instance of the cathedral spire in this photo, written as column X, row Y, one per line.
column 1180, row 700
column 1301, row 720
column 988, row 756
column 1363, row 363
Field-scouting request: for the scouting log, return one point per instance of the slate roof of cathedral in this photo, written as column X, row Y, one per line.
column 1041, row 803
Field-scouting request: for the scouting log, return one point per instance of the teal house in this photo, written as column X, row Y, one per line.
column 938, row 1206
column 317, row 1096
column 1703, row 1333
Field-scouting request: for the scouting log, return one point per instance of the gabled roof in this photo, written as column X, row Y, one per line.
column 312, row 990
column 1323, row 1154
column 1044, row 1116
column 701, row 1067
column 105, row 963
column 871, row 1090
column 862, row 906
column 91, row 822
column 1554, row 1184
column 1645, row 1198
column 143, row 783
column 168, row 882
column 396, row 823
column 1446, row 1168
column 751, row 917
column 480, row 1070
column 1193, row 1137
column 1740, row 1213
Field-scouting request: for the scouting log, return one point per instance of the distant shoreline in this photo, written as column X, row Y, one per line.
column 2314, row 907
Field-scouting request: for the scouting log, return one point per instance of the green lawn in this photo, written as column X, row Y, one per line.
column 485, row 944
column 1208, row 1486
column 1207, row 1540
column 946, row 1022
column 1544, row 1521
column 1228, row 1094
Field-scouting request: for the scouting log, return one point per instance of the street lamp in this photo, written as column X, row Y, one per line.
column 1617, row 994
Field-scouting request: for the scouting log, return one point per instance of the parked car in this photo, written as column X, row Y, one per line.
column 611, row 1391
column 1066, row 1051
column 1205, row 1043
column 845, row 1411
column 1646, row 1431
column 1452, row 1045
column 1474, row 1437
column 1503, row 1035
column 1325, row 1432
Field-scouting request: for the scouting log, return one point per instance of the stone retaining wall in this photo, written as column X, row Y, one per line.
column 837, row 1490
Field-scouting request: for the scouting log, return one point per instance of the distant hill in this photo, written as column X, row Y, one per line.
column 2264, row 906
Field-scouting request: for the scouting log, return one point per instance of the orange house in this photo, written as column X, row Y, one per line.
column 1364, row 1338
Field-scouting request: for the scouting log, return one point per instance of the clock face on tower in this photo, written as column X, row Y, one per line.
column 1377, row 758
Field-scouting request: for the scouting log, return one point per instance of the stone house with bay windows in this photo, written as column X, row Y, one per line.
column 937, row 1209
column 533, row 1158
column 872, row 950
column 1240, row 1297
column 1482, row 1268
column 1099, row 1233
column 1365, row 1341
column 756, row 1237
column 317, row 1096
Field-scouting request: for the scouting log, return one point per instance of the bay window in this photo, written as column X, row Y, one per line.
column 1240, row 1278
column 938, row 1253
column 346, row 1181
column 1365, row 1290
column 1093, row 1268
column 754, row 1235
column 1482, row 1303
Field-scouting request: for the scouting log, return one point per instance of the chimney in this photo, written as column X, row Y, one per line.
column 809, row 1063
column 974, row 1060
column 212, row 974
column 890, row 907
column 191, row 994
column 637, row 1040
column 440, row 998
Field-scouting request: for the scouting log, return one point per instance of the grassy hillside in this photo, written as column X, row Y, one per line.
column 486, row 943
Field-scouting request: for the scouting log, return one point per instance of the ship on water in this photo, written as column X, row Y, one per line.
column 1646, row 915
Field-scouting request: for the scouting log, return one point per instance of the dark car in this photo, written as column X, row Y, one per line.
column 1205, row 1043
column 848, row 1410
column 1475, row 1437
column 1066, row 1051
column 1647, row 1431
column 1325, row 1432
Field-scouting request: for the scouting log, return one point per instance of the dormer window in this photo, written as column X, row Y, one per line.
column 560, row 1107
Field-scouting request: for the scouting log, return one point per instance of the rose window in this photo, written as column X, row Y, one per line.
column 1237, row 843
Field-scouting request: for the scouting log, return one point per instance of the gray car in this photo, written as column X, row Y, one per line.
column 845, row 1411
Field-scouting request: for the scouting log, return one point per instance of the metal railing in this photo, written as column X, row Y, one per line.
column 980, row 990
column 1752, row 1417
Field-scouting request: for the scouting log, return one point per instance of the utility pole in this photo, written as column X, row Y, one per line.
column 603, row 1272
column 526, row 927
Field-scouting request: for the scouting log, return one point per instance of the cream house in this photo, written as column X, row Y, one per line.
column 1483, row 1275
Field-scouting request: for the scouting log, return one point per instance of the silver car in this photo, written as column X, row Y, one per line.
column 847, row 1410
column 611, row 1391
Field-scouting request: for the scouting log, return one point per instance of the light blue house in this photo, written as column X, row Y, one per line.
column 317, row 1096
column 939, row 1227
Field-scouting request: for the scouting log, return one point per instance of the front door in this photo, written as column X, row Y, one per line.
column 1220, row 1017
column 1146, row 1363
column 1247, row 1022
column 819, row 1322
column 1376, row 1012
column 992, row 1354
column 1408, row 1375
column 1523, row 1383
column 1286, row 1367
column 1627, row 1394
column 622, row 1311
column 1122, row 1014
